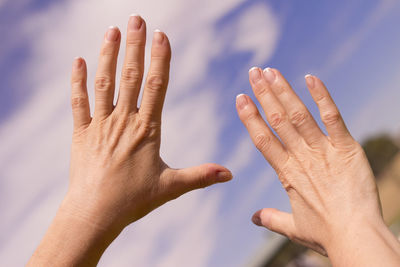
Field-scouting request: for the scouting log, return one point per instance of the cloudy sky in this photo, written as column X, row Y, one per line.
column 354, row 46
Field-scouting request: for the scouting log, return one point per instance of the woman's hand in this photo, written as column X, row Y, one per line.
column 332, row 191
column 116, row 169
column 117, row 175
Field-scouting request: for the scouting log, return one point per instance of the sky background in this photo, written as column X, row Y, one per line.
column 354, row 46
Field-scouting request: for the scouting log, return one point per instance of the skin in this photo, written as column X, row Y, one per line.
column 332, row 191
column 116, row 174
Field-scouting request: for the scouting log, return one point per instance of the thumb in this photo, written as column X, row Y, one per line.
column 283, row 223
column 185, row 180
column 276, row 221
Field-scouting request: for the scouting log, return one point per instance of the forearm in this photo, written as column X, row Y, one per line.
column 72, row 240
column 365, row 245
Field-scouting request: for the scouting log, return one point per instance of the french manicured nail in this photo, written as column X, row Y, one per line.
column 269, row 75
column 78, row 62
column 241, row 101
column 158, row 37
column 310, row 81
column 135, row 22
column 256, row 219
column 255, row 74
column 112, row 34
column 224, row 175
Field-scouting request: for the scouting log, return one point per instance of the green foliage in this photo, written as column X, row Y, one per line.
column 380, row 150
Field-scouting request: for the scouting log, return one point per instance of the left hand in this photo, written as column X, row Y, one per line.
column 330, row 185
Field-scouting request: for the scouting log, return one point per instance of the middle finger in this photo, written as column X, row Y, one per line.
column 274, row 111
column 297, row 112
column 132, row 71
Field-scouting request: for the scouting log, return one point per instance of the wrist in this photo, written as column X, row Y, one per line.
column 86, row 211
column 74, row 238
column 341, row 235
column 355, row 244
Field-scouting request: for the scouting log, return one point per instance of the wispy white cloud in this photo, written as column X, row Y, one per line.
column 260, row 32
column 199, row 125
column 241, row 156
column 35, row 139
column 176, row 234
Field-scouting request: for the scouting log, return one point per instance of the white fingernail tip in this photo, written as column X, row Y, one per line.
column 267, row 69
column 253, row 68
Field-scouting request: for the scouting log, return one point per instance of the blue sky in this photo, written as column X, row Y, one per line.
column 352, row 45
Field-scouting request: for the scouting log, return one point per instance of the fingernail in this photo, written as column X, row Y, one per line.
column 158, row 36
column 255, row 74
column 256, row 220
column 112, row 34
column 310, row 81
column 241, row 101
column 224, row 176
column 269, row 75
column 135, row 22
column 78, row 62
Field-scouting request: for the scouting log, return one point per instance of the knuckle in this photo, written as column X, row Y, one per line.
column 155, row 82
column 277, row 120
column 139, row 133
column 202, row 181
column 121, row 122
column 260, row 89
column 319, row 99
column 287, row 185
column 150, row 130
column 103, row 83
column 331, row 117
column 161, row 54
column 78, row 83
column 262, row 142
column 107, row 50
column 79, row 102
column 351, row 149
column 298, row 118
column 134, row 43
column 251, row 116
column 357, row 147
column 131, row 73
column 283, row 175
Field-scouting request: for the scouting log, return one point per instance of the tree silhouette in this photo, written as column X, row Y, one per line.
column 380, row 150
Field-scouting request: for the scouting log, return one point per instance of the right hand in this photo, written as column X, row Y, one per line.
column 117, row 175
column 328, row 179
